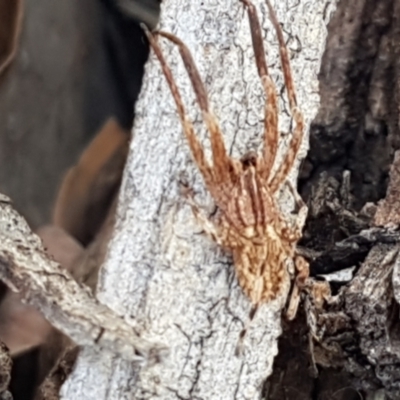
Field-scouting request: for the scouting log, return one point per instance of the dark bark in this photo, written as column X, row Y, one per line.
column 352, row 144
column 5, row 372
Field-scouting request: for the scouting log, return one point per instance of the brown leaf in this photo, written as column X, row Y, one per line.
column 89, row 187
column 11, row 12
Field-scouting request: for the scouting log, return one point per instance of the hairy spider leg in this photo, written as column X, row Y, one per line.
column 209, row 228
column 271, row 138
column 296, row 231
column 195, row 146
column 243, row 333
column 280, row 176
column 293, row 234
column 320, row 290
column 302, row 274
column 271, row 112
column 221, row 160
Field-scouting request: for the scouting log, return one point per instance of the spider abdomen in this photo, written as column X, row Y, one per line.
column 261, row 266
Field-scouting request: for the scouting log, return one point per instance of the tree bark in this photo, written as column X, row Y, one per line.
column 352, row 144
column 179, row 289
column 162, row 274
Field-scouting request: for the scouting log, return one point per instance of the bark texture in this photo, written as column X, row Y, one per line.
column 5, row 372
column 70, row 307
column 162, row 272
column 352, row 144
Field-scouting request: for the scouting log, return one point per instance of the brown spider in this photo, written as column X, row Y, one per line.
column 250, row 223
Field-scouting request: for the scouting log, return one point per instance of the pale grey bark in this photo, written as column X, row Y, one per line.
column 162, row 273
column 70, row 307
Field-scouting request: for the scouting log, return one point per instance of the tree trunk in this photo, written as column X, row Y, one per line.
column 162, row 273
column 178, row 289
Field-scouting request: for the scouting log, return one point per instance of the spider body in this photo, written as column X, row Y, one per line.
column 250, row 223
column 260, row 262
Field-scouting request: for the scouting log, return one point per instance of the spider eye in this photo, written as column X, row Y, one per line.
column 249, row 160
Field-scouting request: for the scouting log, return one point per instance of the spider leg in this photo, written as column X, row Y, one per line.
column 296, row 233
column 205, row 223
column 271, row 133
column 221, row 159
column 303, row 272
column 195, row 146
column 242, row 335
column 319, row 291
column 297, row 135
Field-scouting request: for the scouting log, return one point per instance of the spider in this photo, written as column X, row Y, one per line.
column 250, row 223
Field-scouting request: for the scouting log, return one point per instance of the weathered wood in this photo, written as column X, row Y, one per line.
column 359, row 333
column 352, row 143
column 5, row 372
column 27, row 269
column 162, row 272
